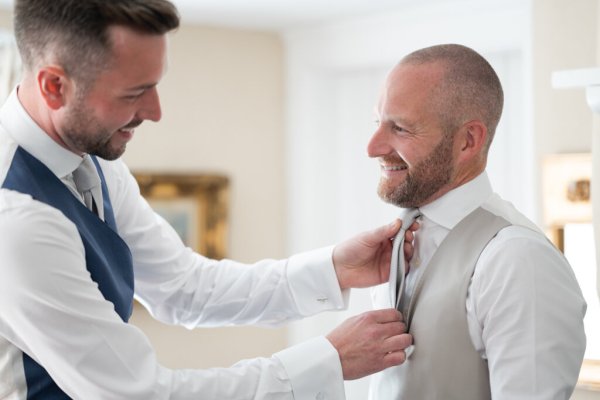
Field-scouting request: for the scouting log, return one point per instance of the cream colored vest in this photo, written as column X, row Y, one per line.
column 444, row 364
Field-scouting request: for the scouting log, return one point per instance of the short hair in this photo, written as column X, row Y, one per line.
column 74, row 33
column 469, row 88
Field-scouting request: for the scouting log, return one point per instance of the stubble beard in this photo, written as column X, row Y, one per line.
column 423, row 180
column 83, row 132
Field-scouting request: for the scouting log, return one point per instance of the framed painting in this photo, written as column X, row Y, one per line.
column 195, row 206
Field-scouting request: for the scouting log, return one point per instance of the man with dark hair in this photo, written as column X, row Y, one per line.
column 78, row 240
column 494, row 309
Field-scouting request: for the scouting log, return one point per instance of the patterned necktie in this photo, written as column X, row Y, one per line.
column 398, row 269
column 88, row 183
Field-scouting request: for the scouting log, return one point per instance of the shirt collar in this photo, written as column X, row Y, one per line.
column 455, row 205
column 28, row 134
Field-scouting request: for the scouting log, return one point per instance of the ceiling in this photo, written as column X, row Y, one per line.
column 276, row 15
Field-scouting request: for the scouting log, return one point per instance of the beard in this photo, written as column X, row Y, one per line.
column 82, row 131
column 423, row 180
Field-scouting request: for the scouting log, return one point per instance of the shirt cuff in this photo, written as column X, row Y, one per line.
column 314, row 284
column 314, row 370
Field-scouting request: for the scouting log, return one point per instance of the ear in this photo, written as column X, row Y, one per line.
column 54, row 86
column 472, row 139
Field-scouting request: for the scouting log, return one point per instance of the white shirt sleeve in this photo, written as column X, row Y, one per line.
column 179, row 286
column 525, row 313
column 51, row 309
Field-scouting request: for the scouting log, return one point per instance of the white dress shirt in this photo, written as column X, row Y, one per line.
column 524, row 307
column 51, row 309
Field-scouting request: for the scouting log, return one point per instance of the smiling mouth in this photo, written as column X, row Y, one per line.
column 393, row 167
column 129, row 128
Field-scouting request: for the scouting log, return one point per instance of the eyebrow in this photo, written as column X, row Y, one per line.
column 411, row 125
column 144, row 86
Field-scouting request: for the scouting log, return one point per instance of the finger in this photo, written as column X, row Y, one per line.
column 394, row 358
column 391, row 330
column 409, row 250
column 390, row 230
column 386, row 315
column 397, row 342
column 415, row 226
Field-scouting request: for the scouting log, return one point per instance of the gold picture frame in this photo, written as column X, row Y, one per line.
column 195, row 205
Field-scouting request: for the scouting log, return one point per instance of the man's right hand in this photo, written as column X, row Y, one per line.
column 370, row 342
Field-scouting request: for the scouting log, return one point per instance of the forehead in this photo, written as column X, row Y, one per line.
column 410, row 87
column 137, row 58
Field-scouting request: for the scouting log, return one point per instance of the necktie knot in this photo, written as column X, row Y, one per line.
column 88, row 183
column 86, row 176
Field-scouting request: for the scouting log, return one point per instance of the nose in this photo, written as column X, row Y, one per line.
column 378, row 144
column 150, row 107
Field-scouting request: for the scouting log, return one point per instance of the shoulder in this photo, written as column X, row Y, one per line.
column 520, row 252
column 519, row 239
column 520, row 260
column 24, row 221
column 505, row 209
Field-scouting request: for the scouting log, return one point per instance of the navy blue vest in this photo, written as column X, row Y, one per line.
column 107, row 256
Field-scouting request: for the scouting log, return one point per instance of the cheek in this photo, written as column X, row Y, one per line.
column 116, row 117
column 412, row 155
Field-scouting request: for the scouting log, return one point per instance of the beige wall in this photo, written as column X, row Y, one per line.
column 222, row 101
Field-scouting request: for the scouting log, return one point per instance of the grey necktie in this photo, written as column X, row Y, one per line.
column 87, row 182
column 398, row 264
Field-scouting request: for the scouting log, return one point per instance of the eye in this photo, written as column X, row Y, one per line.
column 399, row 129
column 133, row 96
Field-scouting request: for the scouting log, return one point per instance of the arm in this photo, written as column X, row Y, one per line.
column 53, row 311
column 179, row 286
column 529, row 317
